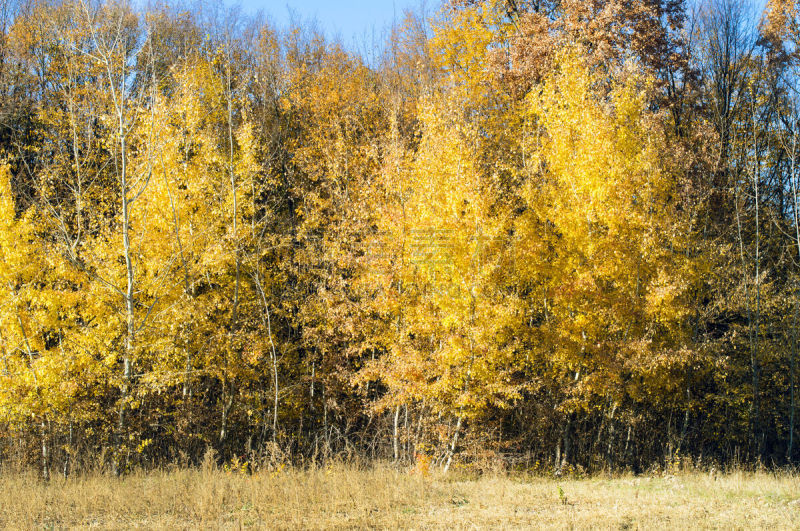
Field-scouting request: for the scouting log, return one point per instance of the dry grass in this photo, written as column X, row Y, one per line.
column 385, row 497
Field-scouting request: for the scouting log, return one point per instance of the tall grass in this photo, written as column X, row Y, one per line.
column 383, row 496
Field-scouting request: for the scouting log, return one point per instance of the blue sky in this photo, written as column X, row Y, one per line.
column 357, row 23
column 352, row 20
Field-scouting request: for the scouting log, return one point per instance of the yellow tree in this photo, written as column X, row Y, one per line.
column 196, row 223
column 72, row 188
column 31, row 388
column 605, row 242
column 451, row 347
column 333, row 116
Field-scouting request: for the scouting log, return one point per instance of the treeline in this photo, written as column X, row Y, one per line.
column 544, row 233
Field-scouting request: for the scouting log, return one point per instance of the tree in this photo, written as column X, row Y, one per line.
column 606, row 243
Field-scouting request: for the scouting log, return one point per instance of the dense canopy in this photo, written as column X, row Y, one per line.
column 552, row 234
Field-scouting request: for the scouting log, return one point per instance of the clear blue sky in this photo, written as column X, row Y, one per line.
column 352, row 20
column 356, row 22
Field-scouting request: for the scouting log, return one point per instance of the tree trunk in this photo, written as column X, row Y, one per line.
column 755, row 361
column 454, row 443
column 395, row 434
column 234, row 322
column 610, row 447
column 45, row 452
column 790, row 449
column 226, row 409
column 567, row 443
column 267, row 321
column 752, row 340
column 794, row 334
column 407, row 434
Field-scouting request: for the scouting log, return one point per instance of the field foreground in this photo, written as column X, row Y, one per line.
column 384, row 497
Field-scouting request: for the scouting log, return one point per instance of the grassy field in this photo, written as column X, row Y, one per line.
column 385, row 497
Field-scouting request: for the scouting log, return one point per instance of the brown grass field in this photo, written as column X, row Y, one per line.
column 384, row 497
